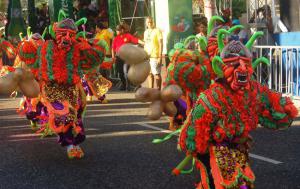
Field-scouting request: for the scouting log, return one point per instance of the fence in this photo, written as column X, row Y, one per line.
column 283, row 73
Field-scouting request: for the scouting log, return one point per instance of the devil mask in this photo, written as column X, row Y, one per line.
column 65, row 33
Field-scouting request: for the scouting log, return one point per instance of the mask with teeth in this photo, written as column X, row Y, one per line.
column 237, row 72
column 234, row 64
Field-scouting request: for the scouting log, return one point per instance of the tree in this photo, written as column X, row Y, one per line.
column 15, row 23
column 238, row 8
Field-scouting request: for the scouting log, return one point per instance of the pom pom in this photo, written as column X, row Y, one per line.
column 27, row 52
column 176, row 172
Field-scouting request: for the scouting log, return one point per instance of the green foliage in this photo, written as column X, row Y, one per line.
column 238, row 8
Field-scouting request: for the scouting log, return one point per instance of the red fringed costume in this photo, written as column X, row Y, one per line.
column 216, row 131
column 61, row 65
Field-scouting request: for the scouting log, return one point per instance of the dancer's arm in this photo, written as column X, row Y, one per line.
column 277, row 112
column 92, row 54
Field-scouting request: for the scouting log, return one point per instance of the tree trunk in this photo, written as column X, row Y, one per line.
column 209, row 8
column 32, row 17
column 15, row 19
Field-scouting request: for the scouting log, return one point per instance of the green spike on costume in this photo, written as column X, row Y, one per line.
column 188, row 39
column 44, row 33
column 202, row 41
column 157, row 141
column 232, row 29
column 51, row 31
column 216, row 66
column 260, row 60
column 171, row 53
column 29, row 33
column 61, row 15
column 212, row 22
column 81, row 21
column 179, row 46
column 182, row 164
column 253, row 38
column 21, row 36
column 190, row 170
column 221, row 44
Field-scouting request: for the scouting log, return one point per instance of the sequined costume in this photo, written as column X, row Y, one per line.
column 94, row 83
column 61, row 65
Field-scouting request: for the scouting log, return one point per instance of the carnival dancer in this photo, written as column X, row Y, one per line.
column 216, row 132
column 61, row 64
column 191, row 69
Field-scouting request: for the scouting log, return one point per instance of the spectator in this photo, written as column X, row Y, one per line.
column 226, row 17
column 201, row 29
column 106, row 34
column 268, row 24
column 122, row 38
column 239, row 35
column 43, row 19
column 153, row 46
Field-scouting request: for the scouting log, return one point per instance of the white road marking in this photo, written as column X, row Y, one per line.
column 266, row 159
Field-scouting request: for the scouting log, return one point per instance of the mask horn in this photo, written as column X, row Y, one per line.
column 232, row 29
column 61, row 15
column 260, row 60
column 253, row 38
column 221, row 44
column 51, row 31
column 21, row 36
column 216, row 66
column 29, row 32
column 188, row 39
column 81, row 21
column 211, row 23
column 44, row 33
column 202, row 41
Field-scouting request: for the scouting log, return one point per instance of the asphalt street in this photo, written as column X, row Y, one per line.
column 119, row 153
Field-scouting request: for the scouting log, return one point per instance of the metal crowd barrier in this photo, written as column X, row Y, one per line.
column 283, row 73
